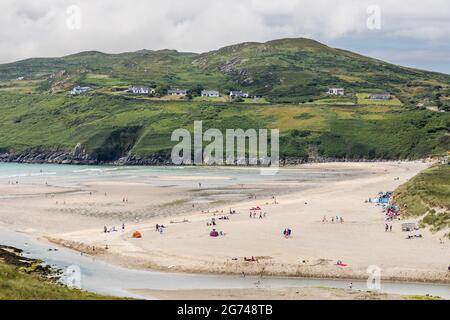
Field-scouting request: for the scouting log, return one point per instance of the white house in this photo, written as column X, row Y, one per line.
column 238, row 94
column 210, row 93
column 79, row 90
column 336, row 91
column 141, row 90
column 177, row 92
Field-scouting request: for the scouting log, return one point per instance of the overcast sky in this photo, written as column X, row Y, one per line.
column 411, row 32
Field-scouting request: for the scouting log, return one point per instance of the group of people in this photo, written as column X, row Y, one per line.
column 159, row 228
column 214, row 233
column 211, row 223
column 336, row 219
column 113, row 229
column 253, row 214
column 388, row 227
column 287, row 232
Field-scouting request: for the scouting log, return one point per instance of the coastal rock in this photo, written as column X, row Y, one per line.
column 80, row 156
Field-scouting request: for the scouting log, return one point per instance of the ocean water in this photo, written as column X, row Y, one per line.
column 189, row 176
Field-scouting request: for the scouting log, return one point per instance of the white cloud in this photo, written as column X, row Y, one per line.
column 38, row 28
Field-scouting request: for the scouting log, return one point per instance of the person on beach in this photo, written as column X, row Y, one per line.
column 390, row 228
column 157, row 227
column 105, row 229
column 386, row 227
column 350, row 286
column 123, row 227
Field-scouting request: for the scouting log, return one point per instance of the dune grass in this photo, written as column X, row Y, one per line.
column 427, row 195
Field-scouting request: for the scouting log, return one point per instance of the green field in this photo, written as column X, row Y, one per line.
column 427, row 196
column 335, row 101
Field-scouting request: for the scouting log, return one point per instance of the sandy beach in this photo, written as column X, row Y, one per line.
column 76, row 217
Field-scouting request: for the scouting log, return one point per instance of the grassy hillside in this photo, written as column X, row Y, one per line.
column 286, row 70
column 292, row 70
column 427, row 196
column 291, row 75
column 110, row 126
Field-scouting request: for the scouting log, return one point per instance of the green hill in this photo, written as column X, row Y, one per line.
column 292, row 75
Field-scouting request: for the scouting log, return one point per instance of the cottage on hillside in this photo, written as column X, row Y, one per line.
column 336, row 91
column 210, row 93
column 380, row 96
column 140, row 90
column 177, row 92
column 79, row 90
column 238, row 94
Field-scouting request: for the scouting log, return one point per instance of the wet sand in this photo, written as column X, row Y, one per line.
column 267, row 294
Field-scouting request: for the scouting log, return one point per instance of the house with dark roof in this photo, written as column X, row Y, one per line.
column 177, row 92
column 336, row 91
column 140, row 90
column 380, row 96
column 210, row 93
column 238, row 94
